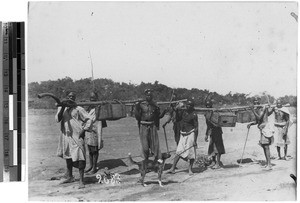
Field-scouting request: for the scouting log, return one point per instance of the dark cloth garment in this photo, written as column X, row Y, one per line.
column 92, row 149
column 149, row 140
column 104, row 124
column 216, row 144
column 189, row 121
column 176, row 129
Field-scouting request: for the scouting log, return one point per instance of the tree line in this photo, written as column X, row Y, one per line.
column 108, row 90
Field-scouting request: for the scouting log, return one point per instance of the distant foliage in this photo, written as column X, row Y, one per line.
column 108, row 90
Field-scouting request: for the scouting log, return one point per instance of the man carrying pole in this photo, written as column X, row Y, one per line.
column 282, row 117
column 266, row 130
column 216, row 145
column 147, row 113
column 93, row 138
column 74, row 122
column 186, row 148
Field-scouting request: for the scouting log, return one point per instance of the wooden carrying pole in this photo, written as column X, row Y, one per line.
column 126, row 102
column 234, row 109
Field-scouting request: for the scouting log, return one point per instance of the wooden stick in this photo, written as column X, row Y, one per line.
column 126, row 102
column 238, row 108
column 245, row 145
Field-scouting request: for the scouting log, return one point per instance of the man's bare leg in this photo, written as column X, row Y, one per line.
column 91, row 162
column 268, row 158
column 285, row 151
column 191, row 166
column 217, row 166
column 81, row 167
column 172, row 169
column 278, row 152
column 70, row 177
column 95, row 159
column 263, row 147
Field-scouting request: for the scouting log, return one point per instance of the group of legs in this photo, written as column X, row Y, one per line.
column 69, row 176
column 81, row 165
column 280, row 143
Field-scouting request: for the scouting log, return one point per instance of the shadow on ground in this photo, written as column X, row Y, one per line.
column 111, row 163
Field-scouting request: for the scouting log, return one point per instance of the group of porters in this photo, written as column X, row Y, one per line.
column 78, row 124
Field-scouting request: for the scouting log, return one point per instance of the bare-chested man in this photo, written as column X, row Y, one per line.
column 186, row 148
column 266, row 131
column 281, row 123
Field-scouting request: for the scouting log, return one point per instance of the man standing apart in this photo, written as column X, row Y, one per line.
column 147, row 114
column 93, row 138
column 74, row 122
column 216, row 145
column 186, row 148
column 266, row 130
column 282, row 117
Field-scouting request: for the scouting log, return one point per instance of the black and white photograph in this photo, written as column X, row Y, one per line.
column 162, row 101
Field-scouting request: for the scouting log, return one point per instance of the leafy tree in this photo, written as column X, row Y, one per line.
column 107, row 89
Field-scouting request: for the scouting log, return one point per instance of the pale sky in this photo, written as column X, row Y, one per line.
column 220, row 46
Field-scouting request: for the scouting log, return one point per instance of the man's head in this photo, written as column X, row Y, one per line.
column 179, row 105
column 208, row 103
column 278, row 103
column 93, row 96
column 71, row 95
column 149, row 95
column 256, row 101
column 190, row 104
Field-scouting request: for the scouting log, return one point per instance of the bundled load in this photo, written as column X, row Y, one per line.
column 111, row 111
column 223, row 119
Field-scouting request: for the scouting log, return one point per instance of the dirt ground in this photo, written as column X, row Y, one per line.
column 247, row 181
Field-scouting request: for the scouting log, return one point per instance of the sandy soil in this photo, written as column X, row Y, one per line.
column 247, row 181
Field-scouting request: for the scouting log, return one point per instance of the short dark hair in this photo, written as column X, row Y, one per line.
column 148, row 91
column 191, row 102
column 69, row 91
column 94, row 94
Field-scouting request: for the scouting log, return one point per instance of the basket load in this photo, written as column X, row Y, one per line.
column 245, row 116
column 223, row 119
column 111, row 111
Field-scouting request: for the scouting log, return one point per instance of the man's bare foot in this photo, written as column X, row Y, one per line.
column 211, row 165
column 89, row 169
column 92, row 172
column 268, row 168
column 279, row 158
column 191, row 173
column 171, row 171
column 68, row 180
column 284, row 158
column 217, row 166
